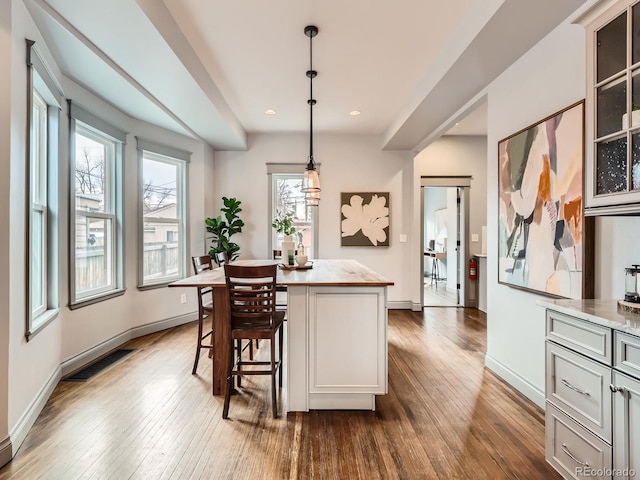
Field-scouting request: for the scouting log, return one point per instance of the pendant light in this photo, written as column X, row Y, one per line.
column 311, row 181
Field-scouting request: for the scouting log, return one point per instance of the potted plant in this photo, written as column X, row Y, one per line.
column 283, row 224
column 223, row 228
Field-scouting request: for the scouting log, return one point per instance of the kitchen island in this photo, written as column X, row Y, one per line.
column 336, row 334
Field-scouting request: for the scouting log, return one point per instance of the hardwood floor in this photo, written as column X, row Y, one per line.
column 437, row 295
column 147, row 417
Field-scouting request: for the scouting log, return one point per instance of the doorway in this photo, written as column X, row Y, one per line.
column 444, row 227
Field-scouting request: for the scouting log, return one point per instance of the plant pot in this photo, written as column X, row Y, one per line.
column 288, row 250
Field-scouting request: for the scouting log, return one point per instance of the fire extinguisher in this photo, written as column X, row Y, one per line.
column 473, row 269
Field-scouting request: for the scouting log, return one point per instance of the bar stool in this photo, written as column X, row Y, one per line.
column 253, row 315
column 205, row 308
column 222, row 258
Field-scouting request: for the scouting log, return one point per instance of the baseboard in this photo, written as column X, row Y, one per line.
column 406, row 305
column 19, row 432
column 78, row 361
column 163, row 324
column 5, row 451
column 529, row 390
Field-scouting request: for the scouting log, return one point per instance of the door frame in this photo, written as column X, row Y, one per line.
column 463, row 184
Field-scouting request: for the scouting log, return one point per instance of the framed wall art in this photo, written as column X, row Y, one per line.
column 365, row 219
column 540, row 212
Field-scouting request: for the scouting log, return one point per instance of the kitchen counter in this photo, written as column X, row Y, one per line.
column 599, row 311
column 335, row 353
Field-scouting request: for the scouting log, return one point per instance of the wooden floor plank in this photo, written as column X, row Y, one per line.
column 147, row 417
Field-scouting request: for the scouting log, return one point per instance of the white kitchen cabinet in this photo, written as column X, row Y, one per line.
column 612, row 123
column 592, row 389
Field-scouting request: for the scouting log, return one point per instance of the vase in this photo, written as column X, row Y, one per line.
column 288, row 250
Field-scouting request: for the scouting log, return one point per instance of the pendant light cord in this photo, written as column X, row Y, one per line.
column 311, row 73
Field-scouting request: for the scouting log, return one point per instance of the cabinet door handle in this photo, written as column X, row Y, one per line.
column 565, row 449
column 568, row 385
column 615, row 388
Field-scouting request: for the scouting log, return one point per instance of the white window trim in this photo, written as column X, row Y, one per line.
column 92, row 126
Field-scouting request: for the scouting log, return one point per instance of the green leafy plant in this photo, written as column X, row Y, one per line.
column 283, row 223
column 223, row 228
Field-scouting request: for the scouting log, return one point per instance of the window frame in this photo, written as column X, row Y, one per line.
column 44, row 89
column 85, row 123
column 180, row 159
column 289, row 170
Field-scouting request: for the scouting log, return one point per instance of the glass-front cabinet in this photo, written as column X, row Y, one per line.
column 612, row 164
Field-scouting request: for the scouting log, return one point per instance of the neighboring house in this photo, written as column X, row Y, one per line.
column 158, row 232
column 88, row 234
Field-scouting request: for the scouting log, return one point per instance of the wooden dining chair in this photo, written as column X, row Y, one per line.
column 221, row 259
column 253, row 315
column 205, row 308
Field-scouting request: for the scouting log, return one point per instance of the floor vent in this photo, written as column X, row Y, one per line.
column 98, row 366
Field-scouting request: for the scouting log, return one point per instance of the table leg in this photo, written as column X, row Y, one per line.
column 222, row 339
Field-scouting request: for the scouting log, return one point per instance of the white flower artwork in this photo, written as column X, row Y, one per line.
column 365, row 219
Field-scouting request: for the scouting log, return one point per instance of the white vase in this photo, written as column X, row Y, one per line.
column 288, row 250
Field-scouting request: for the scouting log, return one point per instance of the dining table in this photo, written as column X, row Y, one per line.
column 335, row 354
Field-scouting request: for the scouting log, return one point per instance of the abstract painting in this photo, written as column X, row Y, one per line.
column 365, row 219
column 540, row 218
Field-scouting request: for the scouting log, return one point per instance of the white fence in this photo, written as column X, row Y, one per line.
column 93, row 269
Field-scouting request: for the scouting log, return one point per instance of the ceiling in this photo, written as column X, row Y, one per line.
column 210, row 69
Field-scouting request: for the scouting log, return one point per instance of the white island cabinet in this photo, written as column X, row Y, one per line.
column 336, row 337
column 592, row 389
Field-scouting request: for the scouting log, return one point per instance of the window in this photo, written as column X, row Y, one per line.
column 39, row 206
column 162, row 225
column 285, row 196
column 44, row 100
column 96, row 163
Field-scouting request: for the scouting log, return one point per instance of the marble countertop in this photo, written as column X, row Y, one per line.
column 600, row 311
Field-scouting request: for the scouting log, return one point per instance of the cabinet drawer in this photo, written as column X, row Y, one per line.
column 585, row 337
column 626, row 350
column 572, row 450
column 579, row 386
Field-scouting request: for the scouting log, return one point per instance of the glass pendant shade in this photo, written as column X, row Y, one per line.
column 311, row 182
column 312, row 199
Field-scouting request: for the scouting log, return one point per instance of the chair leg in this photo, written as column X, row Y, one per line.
column 239, row 357
column 280, row 344
column 227, row 392
column 195, row 363
column 273, row 377
column 250, row 350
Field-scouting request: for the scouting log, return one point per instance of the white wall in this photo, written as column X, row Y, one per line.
column 348, row 163
column 548, row 78
column 31, row 365
column 452, row 156
column 27, row 369
column 5, row 253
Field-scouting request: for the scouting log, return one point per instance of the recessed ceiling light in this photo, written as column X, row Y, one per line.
column 355, row 112
column 269, row 111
